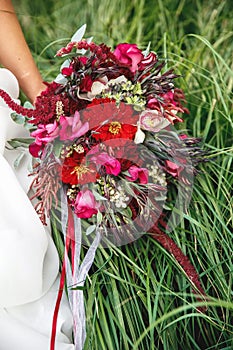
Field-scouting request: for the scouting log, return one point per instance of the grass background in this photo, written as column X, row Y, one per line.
column 138, row 297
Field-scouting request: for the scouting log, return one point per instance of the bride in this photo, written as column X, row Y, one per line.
column 28, row 258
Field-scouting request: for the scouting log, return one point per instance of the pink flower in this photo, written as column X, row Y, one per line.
column 130, row 55
column 72, row 127
column 169, row 97
column 140, row 174
column 85, row 205
column 45, row 133
column 183, row 136
column 153, row 120
column 112, row 165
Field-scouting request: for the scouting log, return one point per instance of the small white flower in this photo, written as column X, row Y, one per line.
column 119, row 198
column 157, row 175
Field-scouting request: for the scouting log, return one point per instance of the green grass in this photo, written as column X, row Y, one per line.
column 137, row 297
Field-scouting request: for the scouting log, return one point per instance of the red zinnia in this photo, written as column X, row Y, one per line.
column 75, row 171
column 115, row 131
column 105, row 110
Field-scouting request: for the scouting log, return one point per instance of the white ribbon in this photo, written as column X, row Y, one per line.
column 79, row 275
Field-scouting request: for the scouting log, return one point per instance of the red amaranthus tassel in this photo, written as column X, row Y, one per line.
column 15, row 106
column 182, row 259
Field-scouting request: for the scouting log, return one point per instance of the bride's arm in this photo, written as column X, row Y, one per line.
column 15, row 53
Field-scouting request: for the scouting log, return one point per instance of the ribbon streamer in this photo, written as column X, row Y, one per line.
column 74, row 273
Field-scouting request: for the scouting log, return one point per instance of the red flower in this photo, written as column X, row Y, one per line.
column 75, row 171
column 115, row 131
column 67, row 71
column 105, row 110
column 35, row 149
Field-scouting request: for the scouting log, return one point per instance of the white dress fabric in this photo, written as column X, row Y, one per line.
column 29, row 280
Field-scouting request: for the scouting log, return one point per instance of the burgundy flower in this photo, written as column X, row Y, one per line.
column 67, row 71
column 149, row 60
column 83, row 59
column 168, row 107
column 183, row 136
column 86, row 84
column 35, row 149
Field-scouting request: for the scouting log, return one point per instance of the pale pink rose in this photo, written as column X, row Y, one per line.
column 137, row 173
column 130, row 55
column 72, row 127
column 45, row 133
column 153, row 120
column 111, row 164
column 85, row 205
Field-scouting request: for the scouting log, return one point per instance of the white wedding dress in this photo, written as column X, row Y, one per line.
column 29, row 262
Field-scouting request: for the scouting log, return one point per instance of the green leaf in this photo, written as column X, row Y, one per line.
column 57, row 147
column 28, row 105
column 18, row 160
column 20, row 142
column 79, row 288
column 90, row 229
column 147, row 51
column 18, row 118
column 99, row 217
column 98, row 197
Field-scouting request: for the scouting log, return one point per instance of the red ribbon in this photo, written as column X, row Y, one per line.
column 70, row 240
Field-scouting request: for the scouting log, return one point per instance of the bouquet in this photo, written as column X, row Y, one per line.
column 109, row 163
